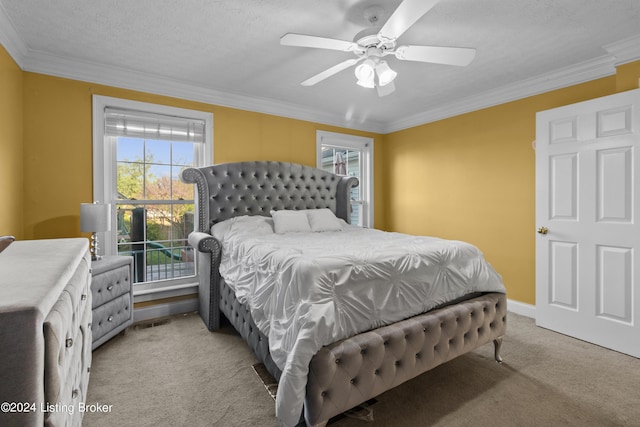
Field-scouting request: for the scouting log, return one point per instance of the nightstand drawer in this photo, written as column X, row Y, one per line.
column 111, row 315
column 110, row 284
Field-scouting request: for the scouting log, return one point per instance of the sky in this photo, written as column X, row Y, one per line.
column 133, row 149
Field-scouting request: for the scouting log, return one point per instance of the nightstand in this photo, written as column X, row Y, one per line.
column 112, row 297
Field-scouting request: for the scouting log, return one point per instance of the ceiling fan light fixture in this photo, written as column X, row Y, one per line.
column 379, row 40
column 385, row 74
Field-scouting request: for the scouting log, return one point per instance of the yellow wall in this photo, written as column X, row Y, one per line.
column 11, row 161
column 58, row 146
column 628, row 76
column 472, row 178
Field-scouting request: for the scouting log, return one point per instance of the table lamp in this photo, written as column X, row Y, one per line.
column 94, row 218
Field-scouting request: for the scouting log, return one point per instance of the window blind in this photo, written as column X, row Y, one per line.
column 138, row 124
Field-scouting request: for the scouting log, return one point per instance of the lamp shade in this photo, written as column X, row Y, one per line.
column 95, row 217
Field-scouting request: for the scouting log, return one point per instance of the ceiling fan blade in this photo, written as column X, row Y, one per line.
column 437, row 54
column 330, row 72
column 303, row 40
column 404, row 17
column 386, row 89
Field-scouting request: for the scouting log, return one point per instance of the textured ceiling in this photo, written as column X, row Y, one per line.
column 232, row 47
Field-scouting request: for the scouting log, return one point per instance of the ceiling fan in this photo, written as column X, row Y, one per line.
column 373, row 44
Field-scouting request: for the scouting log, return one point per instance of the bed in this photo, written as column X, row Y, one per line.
column 357, row 365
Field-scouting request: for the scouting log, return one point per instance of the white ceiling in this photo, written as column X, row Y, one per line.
column 228, row 53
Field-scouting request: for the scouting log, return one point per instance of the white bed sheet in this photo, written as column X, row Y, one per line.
column 307, row 290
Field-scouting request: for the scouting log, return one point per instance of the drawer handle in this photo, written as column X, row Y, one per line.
column 110, row 319
column 83, row 297
column 110, row 287
column 69, row 342
column 75, row 393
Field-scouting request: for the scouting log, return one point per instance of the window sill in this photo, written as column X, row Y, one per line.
column 162, row 292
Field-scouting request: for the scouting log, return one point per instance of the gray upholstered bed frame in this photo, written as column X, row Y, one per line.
column 351, row 371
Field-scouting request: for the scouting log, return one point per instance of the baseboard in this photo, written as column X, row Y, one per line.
column 163, row 310
column 521, row 308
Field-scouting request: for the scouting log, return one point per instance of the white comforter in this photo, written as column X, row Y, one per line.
column 307, row 290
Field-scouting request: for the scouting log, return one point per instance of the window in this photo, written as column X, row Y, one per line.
column 350, row 155
column 139, row 151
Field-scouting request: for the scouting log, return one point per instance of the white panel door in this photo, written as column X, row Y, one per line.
column 588, row 219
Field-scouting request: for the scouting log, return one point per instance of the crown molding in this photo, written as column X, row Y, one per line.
column 603, row 66
column 563, row 77
column 71, row 68
column 9, row 38
column 624, row 51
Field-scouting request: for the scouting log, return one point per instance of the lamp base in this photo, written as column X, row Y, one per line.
column 93, row 247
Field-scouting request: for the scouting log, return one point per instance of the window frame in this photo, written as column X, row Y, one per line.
column 104, row 173
column 365, row 146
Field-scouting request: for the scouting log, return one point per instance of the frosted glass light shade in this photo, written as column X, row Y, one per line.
column 365, row 73
column 95, row 217
column 385, row 73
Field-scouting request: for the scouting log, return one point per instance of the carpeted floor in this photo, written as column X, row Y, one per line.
column 179, row 374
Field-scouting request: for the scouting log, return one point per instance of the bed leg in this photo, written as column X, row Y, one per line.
column 497, row 344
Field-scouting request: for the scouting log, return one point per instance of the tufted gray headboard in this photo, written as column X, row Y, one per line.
column 255, row 188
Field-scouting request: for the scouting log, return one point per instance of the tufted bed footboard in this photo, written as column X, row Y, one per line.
column 351, row 371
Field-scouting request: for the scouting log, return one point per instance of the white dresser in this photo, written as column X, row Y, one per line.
column 45, row 338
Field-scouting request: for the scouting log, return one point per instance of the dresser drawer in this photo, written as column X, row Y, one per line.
column 66, row 384
column 67, row 342
column 61, row 341
column 109, row 285
column 109, row 316
column 79, row 291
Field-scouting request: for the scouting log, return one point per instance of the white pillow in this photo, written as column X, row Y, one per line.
column 255, row 225
column 290, row 222
column 323, row 220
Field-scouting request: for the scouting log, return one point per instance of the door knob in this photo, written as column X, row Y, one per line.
column 543, row 230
